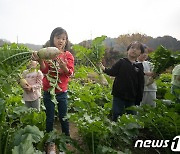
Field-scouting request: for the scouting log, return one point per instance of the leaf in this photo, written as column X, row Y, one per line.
column 31, row 133
column 26, row 147
column 12, row 58
column 20, row 109
column 162, row 59
column 94, row 54
column 6, row 88
column 2, row 111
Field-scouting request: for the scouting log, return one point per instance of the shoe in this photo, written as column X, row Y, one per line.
column 51, row 148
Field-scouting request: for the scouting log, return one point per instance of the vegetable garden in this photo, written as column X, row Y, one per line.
column 22, row 130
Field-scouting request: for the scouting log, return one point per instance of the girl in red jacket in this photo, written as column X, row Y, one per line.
column 65, row 65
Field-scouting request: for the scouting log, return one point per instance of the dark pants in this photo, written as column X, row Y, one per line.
column 62, row 111
column 119, row 106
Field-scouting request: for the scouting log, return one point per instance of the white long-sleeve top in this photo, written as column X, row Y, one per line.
column 148, row 67
column 35, row 80
column 176, row 76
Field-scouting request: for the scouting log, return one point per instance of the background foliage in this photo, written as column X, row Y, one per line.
column 90, row 109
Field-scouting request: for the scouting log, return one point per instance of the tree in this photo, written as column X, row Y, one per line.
column 125, row 40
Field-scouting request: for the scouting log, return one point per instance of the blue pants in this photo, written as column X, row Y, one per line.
column 119, row 106
column 62, row 111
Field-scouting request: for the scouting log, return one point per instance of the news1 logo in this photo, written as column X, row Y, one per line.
column 175, row 145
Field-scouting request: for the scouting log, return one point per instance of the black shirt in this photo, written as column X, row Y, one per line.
column 129, row 80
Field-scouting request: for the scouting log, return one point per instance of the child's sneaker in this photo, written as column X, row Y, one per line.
column 51, row 148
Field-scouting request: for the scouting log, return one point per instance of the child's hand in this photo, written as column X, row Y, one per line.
column 150, row 81
column 62, row 63
column 35, row 56
column 24, row 86
column 151, row 74
column 27, row 88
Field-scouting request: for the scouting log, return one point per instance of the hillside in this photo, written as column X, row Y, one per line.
column 120, row 43
column 31, row 46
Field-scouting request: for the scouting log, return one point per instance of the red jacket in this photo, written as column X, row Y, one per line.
column 62, row 76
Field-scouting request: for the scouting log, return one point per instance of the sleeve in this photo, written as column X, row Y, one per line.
column 176, row 70
column 151, row 66
column 114, row 70
column 140, row 87
column 70, row 64
column 39, row 78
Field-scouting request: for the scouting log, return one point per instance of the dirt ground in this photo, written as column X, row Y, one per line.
column 74, row 135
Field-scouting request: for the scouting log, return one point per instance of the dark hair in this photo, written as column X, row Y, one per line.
column 140, row 45
column 145, row 46
column 58, row 31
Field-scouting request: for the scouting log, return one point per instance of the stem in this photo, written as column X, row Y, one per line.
column 52, row 90
column 15, row 70
column 55, row 71
column 6, row 143
column 92, row 142
column 1, row 140
column 156, row 128
column 91, row 63
column 159, row 133
column 174, row 123
column 22, row 53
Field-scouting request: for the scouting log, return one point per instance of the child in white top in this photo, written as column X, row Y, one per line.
column 175, row 88
column 32, row 90
column 150, row 87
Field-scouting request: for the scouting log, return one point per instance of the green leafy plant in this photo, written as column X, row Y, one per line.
column 13, row 57
column 91, row 106
column 93, row 55
column 162, row 122
column 163, row 58
column 163, row 85
column 30, row 138
column 33, row 117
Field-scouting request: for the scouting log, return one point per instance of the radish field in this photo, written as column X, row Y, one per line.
column 22, row 130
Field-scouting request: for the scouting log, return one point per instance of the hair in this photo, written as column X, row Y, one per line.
column 58, row 31
column 145, row 46
column 140, row 45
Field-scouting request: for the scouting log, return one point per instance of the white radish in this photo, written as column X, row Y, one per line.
column 23, row 82
column 103, row 80
column 48, row 53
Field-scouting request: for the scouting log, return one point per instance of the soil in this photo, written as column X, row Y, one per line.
column 75, row 136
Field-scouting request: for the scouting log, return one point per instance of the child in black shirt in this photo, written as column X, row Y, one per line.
column 129, row 80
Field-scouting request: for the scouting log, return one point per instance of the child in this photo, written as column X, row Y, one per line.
column 32, row 91
column 129, row 80
column 65, row 65
column 175, row 88
column 150, row 88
